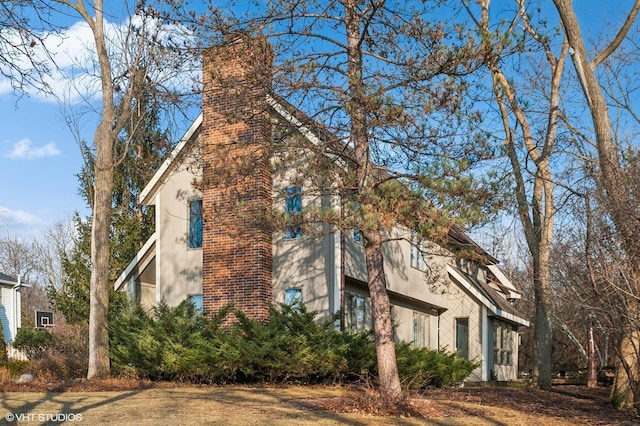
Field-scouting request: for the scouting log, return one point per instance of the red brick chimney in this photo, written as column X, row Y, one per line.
column 237, row 180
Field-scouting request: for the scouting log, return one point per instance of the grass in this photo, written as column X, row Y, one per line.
column 236, row 405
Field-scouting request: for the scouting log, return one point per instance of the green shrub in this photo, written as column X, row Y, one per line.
column 421, row 367
column 178, row 343
column 15, row 368
column 33, row 342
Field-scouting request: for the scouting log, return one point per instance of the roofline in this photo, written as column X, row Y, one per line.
column 484, row 300
column 149, row 190
column 514, row 292
column 134, row 262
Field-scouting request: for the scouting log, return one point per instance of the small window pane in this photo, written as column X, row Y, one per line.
column 292, row 296
column 197, row 301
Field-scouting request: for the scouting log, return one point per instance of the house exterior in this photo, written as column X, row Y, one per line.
column 439, row 299
column 10, row 310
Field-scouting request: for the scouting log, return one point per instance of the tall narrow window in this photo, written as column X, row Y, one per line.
column 195, row 224
column 420, row 330
column 416, row 255
column 462, row 337
column 293, row 210
column 356, row 313
column 502, row 343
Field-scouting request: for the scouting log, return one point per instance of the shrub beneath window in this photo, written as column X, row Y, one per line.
column 178, row 343
column 424, row 368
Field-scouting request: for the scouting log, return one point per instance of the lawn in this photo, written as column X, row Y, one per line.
column 298, row 405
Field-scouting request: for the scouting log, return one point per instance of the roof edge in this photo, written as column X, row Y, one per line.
column 150, row 189
column 134, row 262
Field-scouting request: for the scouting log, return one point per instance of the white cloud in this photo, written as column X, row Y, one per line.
column 23, row 150
column 10, row 217
column 74, row 77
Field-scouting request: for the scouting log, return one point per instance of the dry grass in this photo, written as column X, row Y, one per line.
column 145, row 403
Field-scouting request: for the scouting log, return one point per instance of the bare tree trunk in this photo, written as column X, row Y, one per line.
column 592, row 363
column 535, row 204
column 542, row 332
column 619, row 205
column 99, row 290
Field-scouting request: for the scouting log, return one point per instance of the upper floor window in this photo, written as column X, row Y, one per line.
column 195, row 224
column 293, row 209
column 417, row 255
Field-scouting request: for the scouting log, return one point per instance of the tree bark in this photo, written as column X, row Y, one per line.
column 356, row 106
column 619, row 205
column 390, row 388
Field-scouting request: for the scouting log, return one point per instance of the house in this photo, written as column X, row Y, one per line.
column 206, row 250
column 10, row 309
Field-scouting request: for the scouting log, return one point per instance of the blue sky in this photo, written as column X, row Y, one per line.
column 39, row 155
column 38, row 160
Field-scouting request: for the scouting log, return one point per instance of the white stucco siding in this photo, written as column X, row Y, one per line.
column 180, row 272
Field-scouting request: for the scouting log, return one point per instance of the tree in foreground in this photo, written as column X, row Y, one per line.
column 618, row 196
column 383, row 80
column 134, row 63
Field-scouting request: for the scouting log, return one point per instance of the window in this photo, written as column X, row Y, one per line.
column 462, row 337
column 195, row 224
column 502, row 343
column 293, row 209
column 358, row 316
column 416, row 254
column 292, row 296
column 196, row 299
column 420, row 330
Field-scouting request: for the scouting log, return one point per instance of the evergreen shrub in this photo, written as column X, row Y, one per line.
column 32, row 341
column 178, row 343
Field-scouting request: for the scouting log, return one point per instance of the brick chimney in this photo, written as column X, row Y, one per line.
column 237, row 180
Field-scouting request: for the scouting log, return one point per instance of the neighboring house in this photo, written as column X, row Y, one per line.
column 439, row 298
column 10, row 309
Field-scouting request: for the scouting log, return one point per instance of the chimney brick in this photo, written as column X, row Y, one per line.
column 237, row 180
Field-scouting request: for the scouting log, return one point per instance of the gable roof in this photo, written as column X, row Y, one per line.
column 490, row 298
column 8, row 280
column 149, row 191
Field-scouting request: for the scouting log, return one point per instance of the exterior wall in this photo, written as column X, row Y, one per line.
column 8, row 315
column 179, row 272
column 463, row 306
column 305, row 263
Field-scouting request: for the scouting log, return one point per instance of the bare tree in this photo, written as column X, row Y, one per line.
column 135, row 62
column 621, row 206
column 530, row 140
